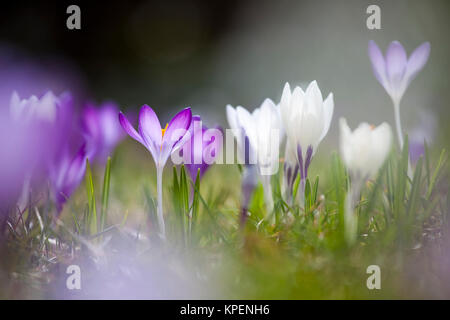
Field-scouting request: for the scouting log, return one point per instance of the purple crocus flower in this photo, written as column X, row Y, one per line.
column 425, row 131
column 43, row 120
column 66, row 173
column 395, row 71
column 203, row 148
column 159, row 142
column 101, row 130
column 16, row 151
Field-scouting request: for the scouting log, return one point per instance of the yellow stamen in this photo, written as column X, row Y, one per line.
column 372, row 127
column 164, row 130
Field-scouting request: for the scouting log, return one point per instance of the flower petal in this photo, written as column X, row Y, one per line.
column 378, row 63
column 149, row 127
column 126, row 125
column 417, row 61
column 314, row 98
column 182, row 120
column 176, row 131
column 396, row 61
column 328, row 107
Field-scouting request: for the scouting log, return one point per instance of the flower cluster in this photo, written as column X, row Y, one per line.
column 47, row 146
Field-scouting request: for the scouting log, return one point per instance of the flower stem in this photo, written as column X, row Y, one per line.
column 351, row 218
column 268, row 195
column 162, row 228
column 398, row 123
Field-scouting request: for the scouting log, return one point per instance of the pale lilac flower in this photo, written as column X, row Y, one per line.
column 66, row 173
column 46, row 121
column 395, row 71
column 423, row 132
column 18, row 146
column 159, row 142
column 101, row 130
column 203, row 150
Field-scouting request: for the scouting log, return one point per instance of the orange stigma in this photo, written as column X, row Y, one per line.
column 372, row 127
column 164, row 130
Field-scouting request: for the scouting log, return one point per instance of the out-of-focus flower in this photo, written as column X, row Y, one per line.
column 66, row 174
column 18, row 147
column 363, row 151
column 425, row 131
column 248, row 185
column 291, row 168
column 159, row 142
column 306, row 118
column 45, row 121
column 203, row 148
column 395, row 72
column 264, row 132
column 101, row 129
column 50, row 115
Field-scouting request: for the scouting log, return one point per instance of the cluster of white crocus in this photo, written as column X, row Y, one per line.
column 305, row 117
column 258, row 135
column 363, row 151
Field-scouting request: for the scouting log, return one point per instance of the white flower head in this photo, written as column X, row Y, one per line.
column 263, row 130
column 306, row 116
column 365, row 149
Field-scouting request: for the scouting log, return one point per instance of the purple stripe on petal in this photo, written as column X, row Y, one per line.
column 294, row 175
column 309, row 153
column 300, row 160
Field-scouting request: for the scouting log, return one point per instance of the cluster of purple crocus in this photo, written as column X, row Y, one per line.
column 45, row 144
column 183, row 133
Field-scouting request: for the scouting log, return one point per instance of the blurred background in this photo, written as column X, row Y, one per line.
column 205, row 54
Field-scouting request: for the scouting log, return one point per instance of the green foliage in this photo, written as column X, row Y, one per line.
column 302, row 253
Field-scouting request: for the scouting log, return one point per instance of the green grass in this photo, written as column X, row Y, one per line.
column 303, row 255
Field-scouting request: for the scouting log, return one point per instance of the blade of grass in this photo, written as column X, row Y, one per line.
column 105, row 194
column 92, row 214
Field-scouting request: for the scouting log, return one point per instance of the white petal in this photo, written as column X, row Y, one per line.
column 328, row 108
column 285, row 104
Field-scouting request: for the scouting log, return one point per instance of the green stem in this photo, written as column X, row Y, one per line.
column 162, row 228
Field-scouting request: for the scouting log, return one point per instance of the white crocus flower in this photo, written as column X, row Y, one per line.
column 262, row 129
column 306, row 118
column 363, row 151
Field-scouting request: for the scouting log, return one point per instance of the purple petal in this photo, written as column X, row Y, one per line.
column 396, row 61
column 182, row 120
column 150, row 128
column 175, row 132
column 111, row 130
column 72, row 177
column 126, row 125
column 378, row 63
column 417, row 61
